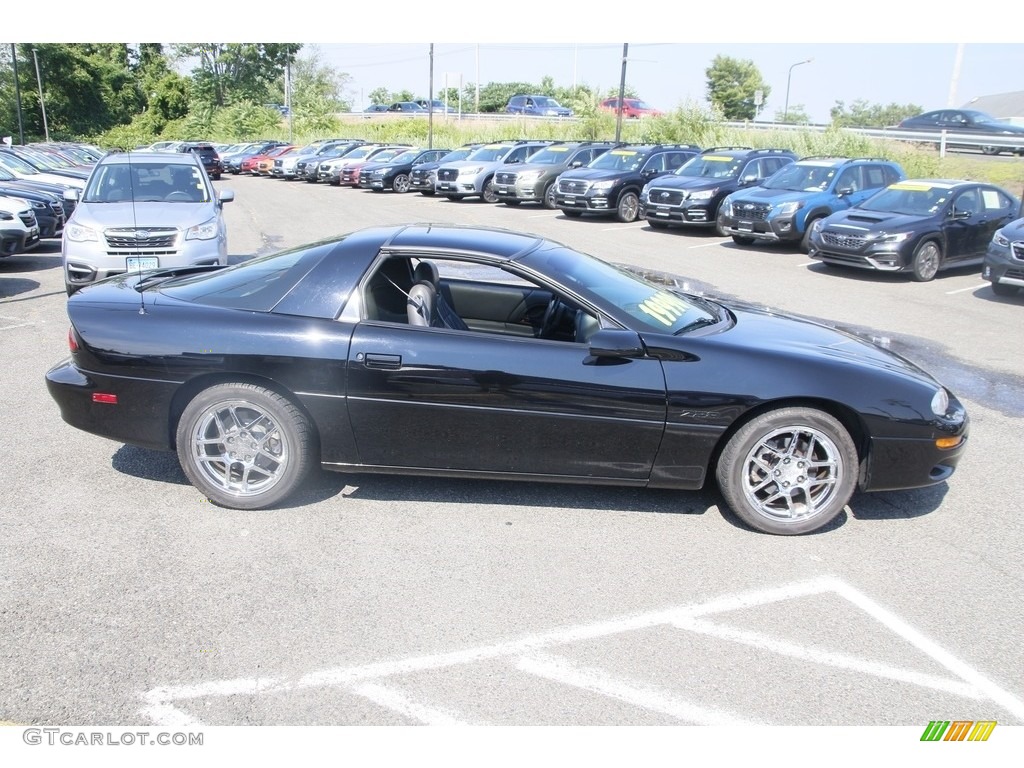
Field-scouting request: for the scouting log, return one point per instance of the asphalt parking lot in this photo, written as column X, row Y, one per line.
column 374, row 600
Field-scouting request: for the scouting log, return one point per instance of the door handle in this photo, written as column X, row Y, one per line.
column 387, row 362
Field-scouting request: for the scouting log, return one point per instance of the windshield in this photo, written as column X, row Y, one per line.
column 456, row 154
column 544, row 101
column 385, row 155
column 619, row 160
column 16, row 165
column 146, row 183
column 802, row 177
column 650, row 305
column 406, row 157
column 712, row 167
column 490, row 153
column 550, row 156
column 909, row 198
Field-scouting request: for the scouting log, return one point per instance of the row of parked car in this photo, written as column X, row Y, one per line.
column 857, row 212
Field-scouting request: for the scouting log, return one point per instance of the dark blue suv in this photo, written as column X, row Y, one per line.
column 784, row 206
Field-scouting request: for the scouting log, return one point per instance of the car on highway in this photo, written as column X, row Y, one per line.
column 968, row 121
column 536, row 105
column 631, row 108
column 143, row 211
column 918, row 226
column 1003, row 265
column 469, row 352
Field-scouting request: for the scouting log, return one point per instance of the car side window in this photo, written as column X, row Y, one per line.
column 655, row 164
column 967, row 202
column 992, row 200
column 850, row 180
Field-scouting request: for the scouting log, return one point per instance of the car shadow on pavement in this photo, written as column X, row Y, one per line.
column 898, row 505
column 15, row 286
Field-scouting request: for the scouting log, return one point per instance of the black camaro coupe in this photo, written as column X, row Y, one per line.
column 481, row 353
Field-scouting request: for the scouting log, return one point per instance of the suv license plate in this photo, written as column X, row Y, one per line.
column 133, row 263
column 570, row 200
column 745, row 226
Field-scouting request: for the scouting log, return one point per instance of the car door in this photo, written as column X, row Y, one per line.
column 963, row 227
column 469, row 402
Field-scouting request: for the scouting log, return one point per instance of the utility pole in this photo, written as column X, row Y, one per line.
column 17, row 94
column 42, row 104
column 430, row 102
column 622, row 93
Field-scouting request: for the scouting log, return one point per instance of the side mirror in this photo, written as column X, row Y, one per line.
column 614, row 343
column 844, row 191
column 71, row 194
column 747, row 181
column 226, row 195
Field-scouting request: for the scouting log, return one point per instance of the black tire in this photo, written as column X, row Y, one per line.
column 244, row 446
column 788, row 471
column 427, row 192
column 628, row 208
column 656, row 224
column 988, row 149
column 400, row 183
column 548, row 198
column 571, row 213
column 926, row 261
column 720, row 229
column 487, row 193
column 1000, row 289
column 805, row 241
column 512, row 203
column 741, row 240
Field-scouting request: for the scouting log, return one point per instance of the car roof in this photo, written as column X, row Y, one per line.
column 167, row 158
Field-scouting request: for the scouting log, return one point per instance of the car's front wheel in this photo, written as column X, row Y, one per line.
column 628, row 208
column 401, row 183
column 549, row 196
column 488, row 194
column 244, row 446
column 1001, row 289
column 788, row 471
column 926, row 260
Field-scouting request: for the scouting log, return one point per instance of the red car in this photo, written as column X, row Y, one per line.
column 252, row 164
column 633, row 108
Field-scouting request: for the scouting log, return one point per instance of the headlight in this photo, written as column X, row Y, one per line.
column 784, row 209
column 705, row 194
column 602, row 186
column 79, row 234
column 726, row 208
column 940, row 402
column 472, row 171
column 528, row 176
column 817, row 225
column 205, row 231
column 895, row 237
column 1000, row 240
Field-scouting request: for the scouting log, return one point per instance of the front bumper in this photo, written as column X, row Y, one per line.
column 697, row 214
column 1004, row 265
column 776, row 229
column 14, row 241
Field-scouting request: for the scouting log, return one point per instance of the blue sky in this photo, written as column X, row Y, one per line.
column 877, row 50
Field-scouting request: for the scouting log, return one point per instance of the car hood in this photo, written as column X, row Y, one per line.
column 479, row 163
column 775, row 196
column 874, row 220
column 180, row 215
column 671, row 181
column 759, row 331
column 596, row 174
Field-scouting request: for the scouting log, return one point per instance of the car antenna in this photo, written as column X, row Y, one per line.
column 135, row 227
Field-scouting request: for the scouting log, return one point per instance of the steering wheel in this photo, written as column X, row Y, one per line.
column 552, row 317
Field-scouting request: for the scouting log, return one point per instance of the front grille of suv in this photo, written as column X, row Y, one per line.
column 447, row 174
column 573, row 186
column 1017, row 250
column 505, row 177
column 141, row 238
column 751, row 211
column 666, row 196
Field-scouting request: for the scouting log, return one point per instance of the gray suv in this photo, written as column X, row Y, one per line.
column 143, row 210
column 534, row 182
column 474, row 176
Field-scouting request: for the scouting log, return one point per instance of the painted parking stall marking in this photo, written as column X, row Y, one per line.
column 550, row 657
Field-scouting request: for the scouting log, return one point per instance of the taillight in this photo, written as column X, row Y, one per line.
column 72, row 341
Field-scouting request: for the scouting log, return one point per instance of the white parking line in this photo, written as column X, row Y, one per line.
column 527, row 653
column 623, row 228
column 653, row 699
column 707, row 245
column 970, row 288
column 809, row 263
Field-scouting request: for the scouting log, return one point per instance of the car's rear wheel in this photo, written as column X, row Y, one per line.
column 488, row 194
column 988, row 149
column 788, row 471
column 244, row 446
column 628, row 208
column 1001, row 289
column 401, row 183
column 926, row 260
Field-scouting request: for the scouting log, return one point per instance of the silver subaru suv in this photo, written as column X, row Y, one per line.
column 140, row 211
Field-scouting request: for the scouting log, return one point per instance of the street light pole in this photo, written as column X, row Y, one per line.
column 785, row 111
column 39, row 80
column 622, row 93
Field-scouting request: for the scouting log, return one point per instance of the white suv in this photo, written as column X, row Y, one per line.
column 19, row 230
column 144, row 210
column 474, row 176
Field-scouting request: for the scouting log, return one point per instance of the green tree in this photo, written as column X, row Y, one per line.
column 796, row 114
column 317, row 87
column 731, row 86
column 494, row 96
column 861, row 114
column 230, row 72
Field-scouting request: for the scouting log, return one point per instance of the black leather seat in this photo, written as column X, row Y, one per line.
column 427, row 304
